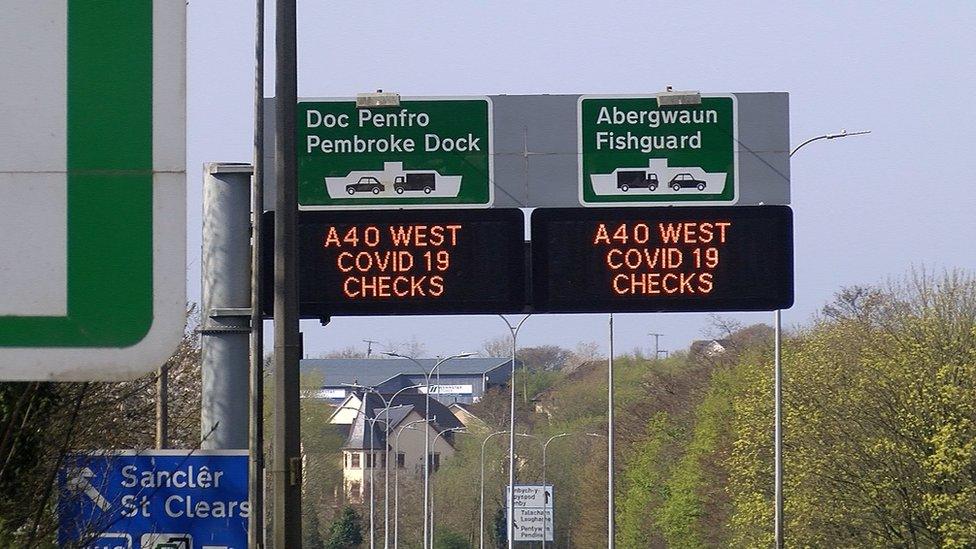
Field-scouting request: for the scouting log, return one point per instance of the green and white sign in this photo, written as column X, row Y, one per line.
column 423, row 153
column 634, row 151
column 93, row 187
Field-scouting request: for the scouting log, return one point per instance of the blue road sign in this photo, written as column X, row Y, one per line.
column 156, row 499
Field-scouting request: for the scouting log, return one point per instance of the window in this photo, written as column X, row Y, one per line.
column 401, row 460
column 435, row 462
column 354, row 488
column 355, row 461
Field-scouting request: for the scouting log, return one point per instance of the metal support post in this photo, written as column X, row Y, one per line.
column 226, row 300
column 255, row 474
column 396, row 481
column 778, row 413
column 511, row 433
column 545, row 512
column 287, row 472
column 162, row 407
column 610, row 528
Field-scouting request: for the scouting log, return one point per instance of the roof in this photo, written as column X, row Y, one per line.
column 374, row 371
column 400, row 408
column 464, row 411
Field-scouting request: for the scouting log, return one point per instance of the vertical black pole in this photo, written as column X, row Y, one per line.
column 255, row 532
column 162, row 407
column 287, row 462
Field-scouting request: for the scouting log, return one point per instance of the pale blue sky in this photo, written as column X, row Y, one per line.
column 866, row 208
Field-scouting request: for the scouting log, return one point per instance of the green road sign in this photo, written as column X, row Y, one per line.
column 633, row 151
column 423, row 153
column 92, row 227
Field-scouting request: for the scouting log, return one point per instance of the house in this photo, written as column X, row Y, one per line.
column 463, row 413
column 709, row 348
column 462, row 380
column 376, row 434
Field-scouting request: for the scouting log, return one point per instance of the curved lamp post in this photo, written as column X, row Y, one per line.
column 514, row 330
column 545, row 512
column 778, row 379
column 386, row 468
column 545, row 516
column 396, row 481
column 372, row 465
column 427, row 376
column 481, row 513
column 433, row 445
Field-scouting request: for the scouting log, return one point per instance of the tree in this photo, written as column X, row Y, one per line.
column 346, row 531
column 880, row 422
column 311, row 538
column 545, row 357
column 451, row 540
column 42, row 422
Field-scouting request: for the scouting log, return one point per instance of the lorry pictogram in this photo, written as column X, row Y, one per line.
column 636, row 179
column 426, row 182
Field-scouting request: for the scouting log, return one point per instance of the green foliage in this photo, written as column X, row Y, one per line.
column 642, row 485
column 499, row 530
column 534, row 382
column 880, row 407
column 311, row 537
column 691, row 490
column 450, row 540
column 346, row 531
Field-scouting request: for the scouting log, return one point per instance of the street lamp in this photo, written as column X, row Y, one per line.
column 396, row 481
column 778, row 379
column 545, row 516
column 481, row 514
column 427, row 376
column 386, row 481
column 433, row 446
column 371, row 462
column 835, row 135
column 545, row 512
column 511, row 430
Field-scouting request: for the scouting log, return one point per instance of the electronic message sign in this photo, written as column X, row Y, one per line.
column 662, row 259
column 408, row 262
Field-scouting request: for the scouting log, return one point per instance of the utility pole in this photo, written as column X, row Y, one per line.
column 287, row 472
column 657, row 336
column 256, row 465
column 369, row 346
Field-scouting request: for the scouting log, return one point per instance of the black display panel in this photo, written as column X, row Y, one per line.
column 662, row 259
column 404, row 262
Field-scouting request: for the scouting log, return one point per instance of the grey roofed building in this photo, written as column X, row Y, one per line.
column 400, row 408
column 461, row 380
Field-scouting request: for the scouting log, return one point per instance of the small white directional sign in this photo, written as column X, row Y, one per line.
column 533, row 516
